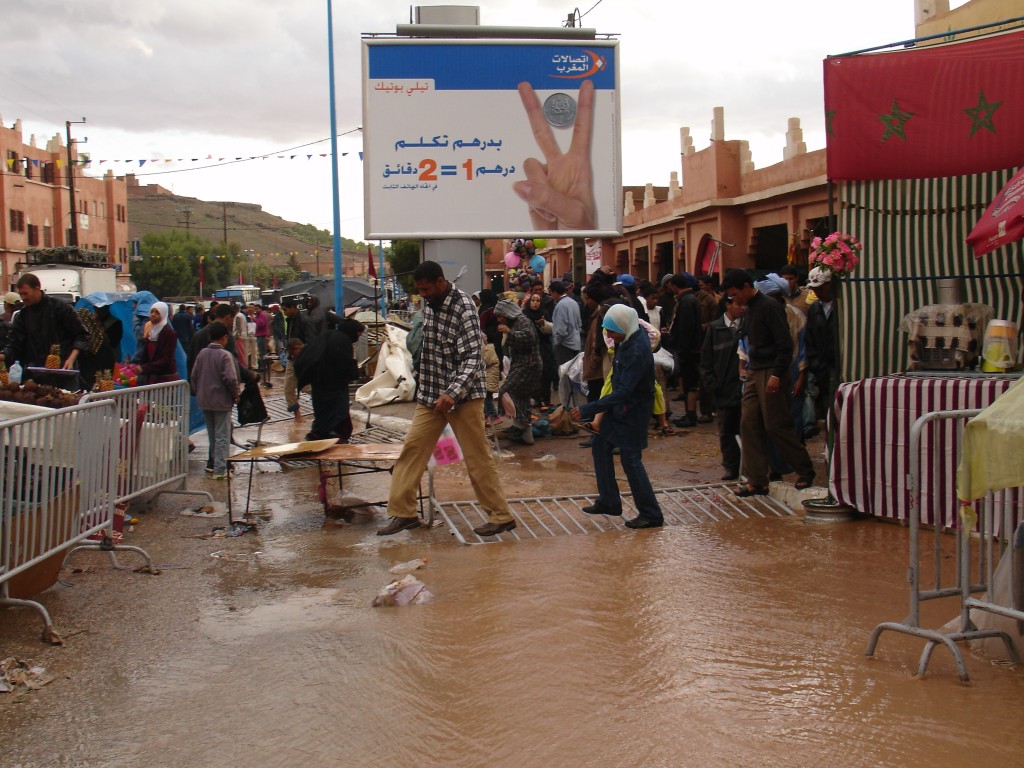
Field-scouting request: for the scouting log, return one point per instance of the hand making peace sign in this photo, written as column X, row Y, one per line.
column 560, row 191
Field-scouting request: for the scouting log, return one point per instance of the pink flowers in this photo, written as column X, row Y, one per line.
column 838, row 253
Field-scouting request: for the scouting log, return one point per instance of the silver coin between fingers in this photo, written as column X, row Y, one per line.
column 560, row 110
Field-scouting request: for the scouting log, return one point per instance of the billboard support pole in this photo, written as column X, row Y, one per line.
column 339, row 288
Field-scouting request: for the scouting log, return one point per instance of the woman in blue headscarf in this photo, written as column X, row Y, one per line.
column 627, row 411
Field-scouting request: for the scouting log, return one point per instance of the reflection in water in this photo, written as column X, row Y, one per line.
column 719, row 644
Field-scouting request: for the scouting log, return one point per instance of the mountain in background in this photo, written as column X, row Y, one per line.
column 152, row 208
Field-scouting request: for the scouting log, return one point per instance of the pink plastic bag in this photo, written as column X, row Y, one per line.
column 447, row 450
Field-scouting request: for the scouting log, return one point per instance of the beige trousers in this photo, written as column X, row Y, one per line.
column 467, row 420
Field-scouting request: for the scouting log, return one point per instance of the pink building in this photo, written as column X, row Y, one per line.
column 35, row 202
column 768, row 215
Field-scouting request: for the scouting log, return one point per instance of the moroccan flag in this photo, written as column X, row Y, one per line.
column 933, row 111
column 369, row 256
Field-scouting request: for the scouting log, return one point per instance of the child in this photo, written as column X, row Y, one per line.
column 493, row 377
column 215, row 385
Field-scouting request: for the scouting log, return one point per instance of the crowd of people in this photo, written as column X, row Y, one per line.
column 757, row 355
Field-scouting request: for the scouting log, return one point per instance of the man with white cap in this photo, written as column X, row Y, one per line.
column 821, row 337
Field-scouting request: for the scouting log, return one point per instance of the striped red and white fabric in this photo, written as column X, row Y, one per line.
column 871, row 459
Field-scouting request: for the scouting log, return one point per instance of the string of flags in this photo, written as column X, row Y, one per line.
column 88, row 162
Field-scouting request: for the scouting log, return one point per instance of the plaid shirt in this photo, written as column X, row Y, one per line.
column 451, row 361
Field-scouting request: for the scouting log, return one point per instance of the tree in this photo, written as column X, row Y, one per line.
column 404, row 257
column 170, row 264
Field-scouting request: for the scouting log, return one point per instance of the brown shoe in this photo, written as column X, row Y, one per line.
column 493, row 529
column 397, row 525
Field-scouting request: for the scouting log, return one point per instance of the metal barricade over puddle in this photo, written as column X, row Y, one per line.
column 56, row 475
column 998, row 515
column 547, row 516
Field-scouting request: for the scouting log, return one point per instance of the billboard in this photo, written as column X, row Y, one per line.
column 493, row 138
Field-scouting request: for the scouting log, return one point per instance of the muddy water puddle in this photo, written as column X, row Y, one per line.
column 720, row 644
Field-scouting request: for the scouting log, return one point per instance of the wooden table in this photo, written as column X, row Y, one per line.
column 358, row 458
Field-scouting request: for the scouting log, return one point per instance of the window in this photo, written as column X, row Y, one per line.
column 28, row 167
column 17, row 221
column 33, row 235
column 47, row 173
column 13, row 163
column 47, row 236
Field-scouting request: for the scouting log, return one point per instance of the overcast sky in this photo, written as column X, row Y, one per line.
column 227, row 78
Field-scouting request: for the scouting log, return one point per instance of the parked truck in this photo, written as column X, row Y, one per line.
column 70, row 274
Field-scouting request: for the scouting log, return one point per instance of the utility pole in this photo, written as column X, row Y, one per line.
column 187, row 213
column 224, row 218
column 73, row 240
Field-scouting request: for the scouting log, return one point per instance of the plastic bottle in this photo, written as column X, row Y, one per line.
column 14, row 374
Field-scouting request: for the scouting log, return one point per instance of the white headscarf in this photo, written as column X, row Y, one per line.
column 155, row 328
column 621, row 318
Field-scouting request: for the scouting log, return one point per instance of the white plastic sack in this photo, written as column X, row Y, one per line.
column 663, row 359
column 393, row 380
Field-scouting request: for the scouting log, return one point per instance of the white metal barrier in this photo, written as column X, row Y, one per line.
column 998, row 515
column 152, row 438
column 56, row 473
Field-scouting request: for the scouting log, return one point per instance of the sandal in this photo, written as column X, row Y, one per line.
column 666, row 431
column 804, row 481
column 586, row 426
column 746, row 491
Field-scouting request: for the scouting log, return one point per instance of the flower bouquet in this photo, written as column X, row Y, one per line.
column 838, row 253
column 126, row 375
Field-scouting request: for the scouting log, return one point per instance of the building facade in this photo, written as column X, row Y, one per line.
column 35, row 200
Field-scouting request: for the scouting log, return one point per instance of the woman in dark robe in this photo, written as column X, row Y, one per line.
column 523, row 372
column 534, row 311
column 328, row 364
column 99, row 356
column 156, row 356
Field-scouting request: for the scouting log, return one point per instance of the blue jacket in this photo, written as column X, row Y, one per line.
column 629, row 405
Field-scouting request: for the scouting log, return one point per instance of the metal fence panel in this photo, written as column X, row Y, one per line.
column 56, row 475
column 998, row 515
column 152, row 437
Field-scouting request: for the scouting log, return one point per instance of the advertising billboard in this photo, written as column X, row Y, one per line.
column 493, row 138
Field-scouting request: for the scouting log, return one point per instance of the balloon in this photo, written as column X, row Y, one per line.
column 537, row 264
column 511, row 260
column 529, row 243
column 540, row 244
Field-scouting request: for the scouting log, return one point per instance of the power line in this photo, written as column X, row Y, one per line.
column 591, row 8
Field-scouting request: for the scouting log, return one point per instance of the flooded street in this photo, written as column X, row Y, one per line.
column 714, row 643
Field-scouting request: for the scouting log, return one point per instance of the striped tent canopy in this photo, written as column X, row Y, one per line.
column 914, row 233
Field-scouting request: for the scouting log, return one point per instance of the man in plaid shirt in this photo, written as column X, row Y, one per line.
column 451, row 391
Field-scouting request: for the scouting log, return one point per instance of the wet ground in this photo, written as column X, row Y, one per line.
column 712, row 644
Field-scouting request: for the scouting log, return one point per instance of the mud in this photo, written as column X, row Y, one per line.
column 712, row 644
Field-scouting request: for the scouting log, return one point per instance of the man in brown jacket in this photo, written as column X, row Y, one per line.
column 215, row 384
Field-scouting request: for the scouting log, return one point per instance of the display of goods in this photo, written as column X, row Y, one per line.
column 53, row 359
column 38, row 394
column 105, row 381
column 3, row 374
column 126, row 374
